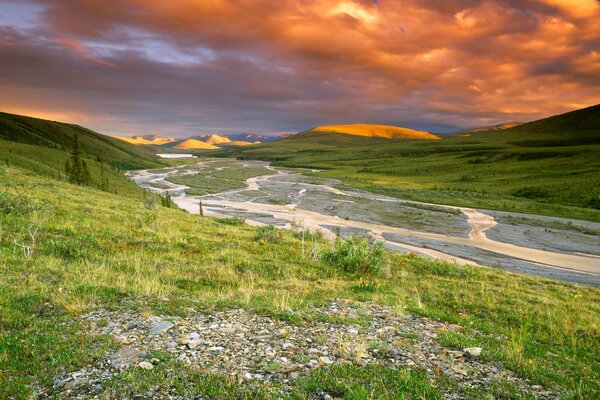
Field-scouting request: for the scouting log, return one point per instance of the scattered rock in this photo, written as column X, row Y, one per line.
column 146, row 365
column 159, row 327
column 473, row 352
column 125, row 357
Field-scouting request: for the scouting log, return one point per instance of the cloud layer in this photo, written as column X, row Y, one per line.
column 184, row 66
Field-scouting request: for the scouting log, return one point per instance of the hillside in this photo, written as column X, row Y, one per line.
column 377, row 131
column 487, row 129
column 548, row 166
column 44, row 147
column 58, row 135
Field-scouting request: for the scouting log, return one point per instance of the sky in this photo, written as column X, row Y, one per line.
column 185, row 67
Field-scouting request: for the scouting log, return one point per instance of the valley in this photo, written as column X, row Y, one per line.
column 559, row 248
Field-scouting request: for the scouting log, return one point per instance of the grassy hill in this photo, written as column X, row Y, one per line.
column 370, row 130
column 548, row 166
column 43, row 147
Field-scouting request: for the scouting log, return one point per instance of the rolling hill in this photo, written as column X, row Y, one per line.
column 367, row 130
column 549, row 166
column 488, row 129
column 194, row 144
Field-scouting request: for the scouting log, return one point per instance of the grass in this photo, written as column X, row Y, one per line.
column 95, row 249
column 217, row 177
column 547, row 167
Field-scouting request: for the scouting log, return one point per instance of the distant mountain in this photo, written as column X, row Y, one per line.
column 147, row 139
column 487, row 129
column 206, row 141
column 189, row 144
column 374, row 131
column 253, row 138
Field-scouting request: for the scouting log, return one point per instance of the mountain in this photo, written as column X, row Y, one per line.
column 216, row 139
column 378, row 131
column 147, row 139
column 194, row 144
column 253, row 138
column 238, row 143
column 487, row 129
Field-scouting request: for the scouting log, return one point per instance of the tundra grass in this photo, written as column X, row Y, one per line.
column 94, row 249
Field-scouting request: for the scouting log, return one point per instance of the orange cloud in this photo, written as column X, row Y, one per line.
column 319, row 61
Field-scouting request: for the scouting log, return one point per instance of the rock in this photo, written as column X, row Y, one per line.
column 327, row 397
column 287, row 346
column 460, row 370
column 192, row 344
column 216, row 349
column 353, row 331
column 159, row 327
column 325, row 360
column 227, row 330
column 473, row 352
column 112, row 325
column 171, row 345
column 146, row 365
column 125, row 357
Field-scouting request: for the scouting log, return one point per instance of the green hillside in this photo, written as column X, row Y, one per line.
column 43, row 147
column 548, row 166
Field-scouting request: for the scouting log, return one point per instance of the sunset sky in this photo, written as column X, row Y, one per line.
column 184, row 67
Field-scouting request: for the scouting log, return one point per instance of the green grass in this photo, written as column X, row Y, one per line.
column 546, row 167
column 95, row 249
column 216, row 178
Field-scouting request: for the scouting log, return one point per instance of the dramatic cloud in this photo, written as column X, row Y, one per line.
column 185, row 66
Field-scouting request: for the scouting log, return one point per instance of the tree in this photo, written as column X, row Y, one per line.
column 79, row 173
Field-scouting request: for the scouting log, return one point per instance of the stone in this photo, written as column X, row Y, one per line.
column 325, row 360
column 146, row 365
column 454, row 327
column 227, row 330
column 171, row 345
column 473, row 352
column 353, row 331
column 287, row 346
column 125, row 357
column 327, row 397
column 112, row 325
column 216, row 349
column 192, row 344
column 159, row 327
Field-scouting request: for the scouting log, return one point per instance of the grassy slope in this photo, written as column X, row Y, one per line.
column 548, row 166
column 44, row 146
column 97, row 249
column 59, row 135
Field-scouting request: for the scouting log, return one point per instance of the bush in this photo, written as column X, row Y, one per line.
column 268, row 233
column 356, row 254
column 234, row 221
column 16, row 204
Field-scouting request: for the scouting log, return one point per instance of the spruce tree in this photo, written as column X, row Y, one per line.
column 79, row 172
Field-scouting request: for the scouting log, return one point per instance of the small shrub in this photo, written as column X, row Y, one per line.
column 234, row 221
column 149, row 201
column 16, row 204
column 356, row 254
column 531, row 192
column 268, row 233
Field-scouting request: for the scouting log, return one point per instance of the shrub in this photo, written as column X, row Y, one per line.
column 16, row 204
column 356, row 254
column 234, row 221
column 268, row 233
